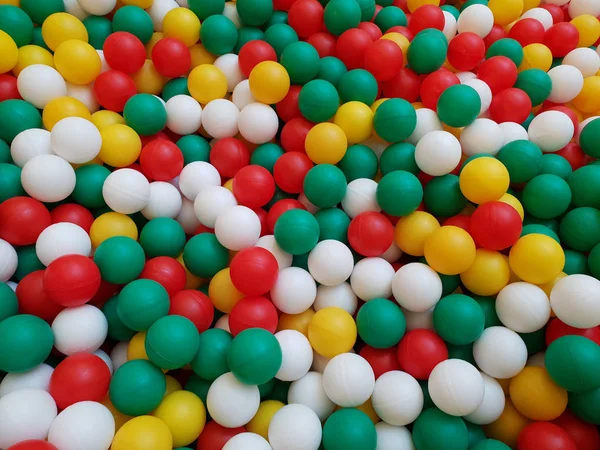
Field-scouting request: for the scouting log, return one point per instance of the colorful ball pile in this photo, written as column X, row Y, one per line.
column 299, row 224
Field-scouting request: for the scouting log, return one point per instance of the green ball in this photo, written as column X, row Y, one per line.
column 331, row 69
column 506, row 47
column 593, row 261
column 301, row 60
column 464, row 352
column 451, row 9
column 9, row 304
column 137, row 387
column 436, row 430
column 325, row 185
column 38, row 39
column 266, row 155
column 276, row 17
column 395, row 120
column 204, row 256
column 98, row 28
column 390, row 16
column 16, row 23
column 318, row 100
column 553, row 224
column 458, row 319
column 589, row 138
column 17, row 116
column 255, row 356
column 580, row 229
column 358, row 85
column 427, row 52
column 117, row 330
column 10, row 182
column 333, row 224
column 367, row 9
column 575, row 262
column 399, row 193
column 527, row 121
column 459, row 105
column 490, row 444
column 536, row 83
column 120, row 259
column 40, row 10
column 584, row 184
column 25, row 342
column 556, row 165
column 522, row 159
column 535, row 228
column 194, row 148
column 488, row 306
column 265, row 389
column 134, row 20
column 342, row 15
column 476, row 434
column 176, row 86
column 5, row 153
column 349, row 429
column 449, row 282
column 146, row 114
column 359, row 162
column 381, row 323
column 280, row 391
column 172, row 342
column 399, row 156
column 546, row 196
column 89, row 180
column 218, row 34
column 162, row 236
column 198, row 386
column 28, row 261
column 211, row 360
column 254, row 13
column 535, row 342
column 443, row 197
column 279, row 36
column 141, row 303
column 573, row 362
column 247, row 34
column 297, row 231
column 206, row 8
column 586, row 405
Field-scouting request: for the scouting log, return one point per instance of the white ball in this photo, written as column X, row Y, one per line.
column 415, row 320
column 309, row 391
column 537, row 360
column 228, row 64
column 392, row 254
column 484, row 136
column 483, row 90
column 258, row 123
column 330, row 263
column 187, row 217
column 567, row 82
column 295, row 426
column 118, row 355
column 75, row 139
column 39, row 84
column 25, row 414
column 340, row 296
column 540, row 14
column 30, row 143
column 450, row 26
column 12, row 285
column 48, row 178
column 390, row 437
column 297, row 355
column 98, row 7
column 74, row 8
column 294, row 291
column 551, row 130
column 492, row 405
column 104, row 357
column 126, row 191
column 377, row 144
column 84, row 93
column 238, row 228
column 268, row 242
column 576, row 301
column 159, row 10
column 220, row 118
column 581, row 7
column 247, row 441
column 463, row 77
column 232, row 403
column 438, row 153
column 164, row 201
column 83, row 426
column 60, row 239
column 223, row 323
column 372, row 278
column 211, row 202
column 417, row 287
column 348, row 380
column 81, row 329
column 456, row 387
column 360, row 197
column 231, row 13
column 242, row 96
column 523, row 307
column 105, row 66
column 8, row 261
column 500, row 352
column 585, row 59
column 477, row 19
column 319, row 363
column 196, row 176
column 184, row 114
column 397, row 398
column 36, row 378
column 513, row 132
column 427, row 121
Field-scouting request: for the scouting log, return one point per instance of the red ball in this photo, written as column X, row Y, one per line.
column 253, row 312
column 510, row 105
column 323, row 42
column 228, row 156
column 171, row 58
column 427, row 16
column 160, row 135
column 33, row 444
column 465, row 51
column 215, row 436
column 373, row 30
column 406, row 84
column 572, row 153
column 73, row 213
column 33, row 298
column 254, row 271
column 557, row 329
column 262, row 216
column 495, row 225
column 350, row 47
column 289, row 171
column 279, row 208
column 460, row 221
column 370, row 233
column 8, row 87
column 72, row 280
column 287, row 109
column 166, row 271
column 293, row 134
column 22, row 219
column 561, row 39
column 544, row 436
column 499, row 72
column 254, row 52
column 434, row 84
column 253, row 186
column 584, row 435
column 282, row 5
column 195, row 306
column 403, row 31
column 306, row 17
column 555, row 11
column 161, row 160
column 105, row 292
column 381, row 360
column 124, row 51
column 527, row 31
column 384, row 59
column 420, row 351
column 113, row 88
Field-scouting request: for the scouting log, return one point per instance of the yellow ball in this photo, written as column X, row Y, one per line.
column 201, row 56
column 206, row 83
column 589, row 29
column 332, row 331
column 143, row 433
column 449, row 250
column 508, row 426
column 229, row 185
column 514, row 202
column 504, row 384
column 120, row 418
column 484, row 180
column 413, row 230
column 61, row 108
column 9, row 52
column 137, row 347
column 326, row 143
column 77, row 61
column 400, row 40
column 298, row 322
column 375, row 106
column 191, row 280
column 530, row 4
column 547, row 287
column 172, row 385
column 588, row 99
column 183, row 412
column 156, row 36
column 144, row 4
column 112, row 224
column 105, row 118
column 537, row 258
column 536, row 56
column 32, row 54
column 182, row 24
column 269, row 82
column 147, row 80
column 505, row 11
column 121, row 146
column 356, row 121
column 261, row 420
column 414, row 4
column 61, row 27
column 222, row 293
column 488, row 274
column 536, row 396
column 367, row 408
column 10, row 2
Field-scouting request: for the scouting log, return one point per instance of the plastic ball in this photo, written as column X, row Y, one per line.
column 349, row 427
column 496, row 175
column 492, row 405
column 546, row 402
column 500, row 361
column 511, row 312
column 10, row 261
column 420, row 351
column 229, row 230
column 29, row 87
column 230, row 402
column 370, row 233
column 113, row 88
column 215, row 436
column 77, row 62
column 75, row 139
column 536, row 258
column 79, row 329
column 71, row 280
column 125, row 52
column 305, row 431
column 126, row 191
column 483, row 136
column 48, row 178
column 309, row 391
column 183, row 114
column 249, row 441
column 449, row 250
column 326, row 143
column 112, row 224
column 359, row 380
column 297, row 355
column 372, row 278
column 18, row 354
column 585, row 435
column 548, row 435
column 139, row 432
column 586, row 314
column 392, row 386
column 551, row 130
column 121, row 146
column 30, row 143
column 361, row 196
column 258, row 123
column 450, row 377
column 33, row 444
column 404, row 288
column 269, row 82
column 62, row 239
column 429, row 158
